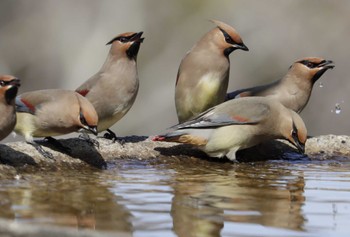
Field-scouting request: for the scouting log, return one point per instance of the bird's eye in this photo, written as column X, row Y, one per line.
column 228, row 38
column 123, row 39
column 310, row 65
column 295, row 132
column 2, row 83
column 82, row 119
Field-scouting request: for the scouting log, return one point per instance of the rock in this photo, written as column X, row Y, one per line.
column 20, row 155
column 329, row 146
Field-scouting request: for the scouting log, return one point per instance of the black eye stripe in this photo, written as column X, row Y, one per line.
column 122, row 39
column 5, row 83
column 228, row 38
column 82, row 119
column 311, row 64
column 295, row 131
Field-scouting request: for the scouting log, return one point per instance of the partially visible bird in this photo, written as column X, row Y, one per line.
column 239, row 124
column 294, row 89
column 113, row 89
column 53, row 112
column 8, row 91
column 203, row 75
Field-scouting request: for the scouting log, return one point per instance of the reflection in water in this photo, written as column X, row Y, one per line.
column 69, row 198
column 188, row 198
column 203, row 202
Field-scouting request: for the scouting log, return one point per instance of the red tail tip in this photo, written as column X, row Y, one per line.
column 158, row 138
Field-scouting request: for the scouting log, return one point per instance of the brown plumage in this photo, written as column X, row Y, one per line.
column 295, row 88
column 113, row 89
column 46, row 113
column 8, row 91
column 239, row 124
column 203, row 74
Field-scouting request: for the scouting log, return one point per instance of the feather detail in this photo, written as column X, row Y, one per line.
column 83, row 92
column 186, row 139
column 23, row 105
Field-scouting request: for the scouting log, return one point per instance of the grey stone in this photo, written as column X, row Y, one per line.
column 20, row 155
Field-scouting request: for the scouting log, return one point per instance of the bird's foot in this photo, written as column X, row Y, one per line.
column 88, row 139
column 41, row 150
column 110, row 135
column 58, row 145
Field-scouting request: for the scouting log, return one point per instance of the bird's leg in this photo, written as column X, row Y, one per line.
column 84, row 136
column 40, row 149
column 231, row 155
column 58, row 145
column 110, row 135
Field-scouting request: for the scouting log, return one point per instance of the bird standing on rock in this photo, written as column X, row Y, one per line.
column 239, row 124
column 53, row 112
column 8, row 91
column 113, row 89
column 203, row 75
column 294, row 89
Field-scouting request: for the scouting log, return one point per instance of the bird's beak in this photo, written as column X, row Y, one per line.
column 323, row 67
column 326, row 64
column 241, row 46
column 93, row 129
column 300, row 146
column 137, row 37
column 297, row 144
column 135, row 42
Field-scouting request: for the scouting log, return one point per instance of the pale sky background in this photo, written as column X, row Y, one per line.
column 60, row 44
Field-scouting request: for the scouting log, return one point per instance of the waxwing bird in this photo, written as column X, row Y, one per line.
column 113, row 89
column 53, row 112
column 8, row 91
column 238, row 124
column 294, row 89
column 203, row 75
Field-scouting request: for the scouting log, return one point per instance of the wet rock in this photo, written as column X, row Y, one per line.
column 329, row 146
column 7, row 172
column 21, row 156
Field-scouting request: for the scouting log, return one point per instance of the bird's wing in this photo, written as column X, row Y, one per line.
column 238, row 93
column 85, row 88
column 30, row 102
column 229, row 113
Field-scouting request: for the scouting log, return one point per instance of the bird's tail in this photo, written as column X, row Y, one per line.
column 181, row 138
column 166, row 138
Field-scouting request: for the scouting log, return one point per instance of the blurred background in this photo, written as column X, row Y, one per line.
column 60, row 44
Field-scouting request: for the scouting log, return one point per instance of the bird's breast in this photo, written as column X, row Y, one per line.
column 211, row 88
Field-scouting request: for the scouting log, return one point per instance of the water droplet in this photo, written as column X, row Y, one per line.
column 320, row 85
column 17, row 177
column 337, row 108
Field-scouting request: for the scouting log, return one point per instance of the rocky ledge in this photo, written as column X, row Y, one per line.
column 19, row 155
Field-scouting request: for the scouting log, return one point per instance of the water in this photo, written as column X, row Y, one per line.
column 188, row 198
column 337, row 109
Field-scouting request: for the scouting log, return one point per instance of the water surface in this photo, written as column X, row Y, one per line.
column 188, row 198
